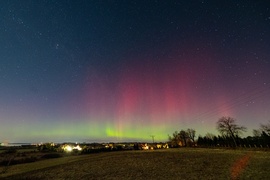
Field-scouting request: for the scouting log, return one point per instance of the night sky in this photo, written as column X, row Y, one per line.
column 101, row 71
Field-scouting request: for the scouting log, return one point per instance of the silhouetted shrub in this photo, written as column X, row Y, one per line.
column 10, row 151
column 8, row 162
column 51, row 155
column 29, row 159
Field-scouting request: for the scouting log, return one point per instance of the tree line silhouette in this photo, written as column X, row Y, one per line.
column 229, row 136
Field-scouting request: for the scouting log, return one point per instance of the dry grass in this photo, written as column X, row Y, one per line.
column 181, row 163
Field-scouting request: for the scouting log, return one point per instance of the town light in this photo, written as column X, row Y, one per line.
column 68, row 148
column 78, row 148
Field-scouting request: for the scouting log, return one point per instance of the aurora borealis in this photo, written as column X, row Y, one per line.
column 100, row 71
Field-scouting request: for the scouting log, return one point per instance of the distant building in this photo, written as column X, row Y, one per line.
column 5, row 143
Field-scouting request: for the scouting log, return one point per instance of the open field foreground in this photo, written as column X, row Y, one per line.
column 183, row 163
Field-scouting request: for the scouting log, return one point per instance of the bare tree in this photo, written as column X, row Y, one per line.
column 191, row 134
column 184, row 136
column 257, row 133
column 266, row 128
column 227, row 127
column 174, row 139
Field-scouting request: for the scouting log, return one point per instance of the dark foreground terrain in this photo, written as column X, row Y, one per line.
column 182, row 163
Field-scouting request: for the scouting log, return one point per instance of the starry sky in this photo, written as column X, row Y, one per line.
column 115, row 70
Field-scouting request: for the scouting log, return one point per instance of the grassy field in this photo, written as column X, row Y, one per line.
column 183, row 163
